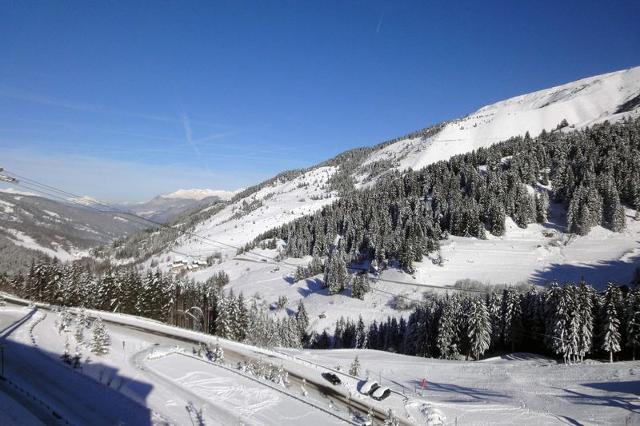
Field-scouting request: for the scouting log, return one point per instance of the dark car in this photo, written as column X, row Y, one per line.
column 332, row 378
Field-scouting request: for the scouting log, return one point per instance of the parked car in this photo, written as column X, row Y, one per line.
column 373, row 388
column 332, row 378
column 381, row 393
column 368, row 386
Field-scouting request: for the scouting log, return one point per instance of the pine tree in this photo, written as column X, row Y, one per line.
column 447, row 340
column 354, row 370
column 335, row 276
column 633, row 321
column 611, row 341
column 585, row 306
column 360, row 286
column 302, row 318
column 100, row 339
column 542, row 207
column 511, row 318
column 479, row 328
column 557, row 313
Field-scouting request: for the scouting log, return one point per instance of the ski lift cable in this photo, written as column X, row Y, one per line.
column 129, row 214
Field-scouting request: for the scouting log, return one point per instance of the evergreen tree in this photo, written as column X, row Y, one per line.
column 354, row 369
column 479, row 328
column 100, row 339
column 360, row 286
column 611, row 341
column 447, row 340
column 335, row 276
column 633, row 321
column 302, row 318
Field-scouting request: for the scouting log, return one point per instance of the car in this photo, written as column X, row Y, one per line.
column 373, row 388
column 332, row 378
column 381, row 393
column 368, row 386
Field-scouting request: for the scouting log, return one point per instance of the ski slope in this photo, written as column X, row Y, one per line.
column 582, row 103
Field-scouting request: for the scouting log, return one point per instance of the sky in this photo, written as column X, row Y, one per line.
column 125, row 100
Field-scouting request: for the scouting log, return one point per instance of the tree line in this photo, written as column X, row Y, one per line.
column 174, row 300
column 593, row 173
column 570, row 322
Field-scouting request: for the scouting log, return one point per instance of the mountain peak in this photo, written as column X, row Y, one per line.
column 199, row 194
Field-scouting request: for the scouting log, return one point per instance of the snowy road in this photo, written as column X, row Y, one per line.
column 76, row 398
column 124, row 386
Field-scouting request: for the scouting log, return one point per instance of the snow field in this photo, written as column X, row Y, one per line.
column 515, row 389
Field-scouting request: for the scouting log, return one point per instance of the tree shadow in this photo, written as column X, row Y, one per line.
column 597, row 274
column 474, row 393
column 631, row 386
column 628, row 403
column 557, row 218
column 48, row 387
column 314, row 286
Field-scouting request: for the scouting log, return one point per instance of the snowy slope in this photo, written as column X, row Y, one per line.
column 582, row 103
column 244, row 218
column 30, row 225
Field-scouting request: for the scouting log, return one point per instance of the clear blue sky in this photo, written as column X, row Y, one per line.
column 123, row 100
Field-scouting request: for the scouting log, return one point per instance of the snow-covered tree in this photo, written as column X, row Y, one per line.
column 611, row 338
column 335, row 275
column 633, row 321
column 447, row 340
column 302, row 318
column 354, row 369
column 100, row 340
column 479, row 328
column 360, row 286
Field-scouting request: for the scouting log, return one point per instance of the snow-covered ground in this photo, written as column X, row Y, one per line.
column 146, row 378
column 537, row 255
column 166, row 384
column 242, row 221
column 513, row 389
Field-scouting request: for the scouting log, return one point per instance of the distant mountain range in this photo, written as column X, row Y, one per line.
column 32, row 226
column 165, row 208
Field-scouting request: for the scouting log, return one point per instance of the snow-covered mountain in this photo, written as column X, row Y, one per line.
column 165, row 208
column 296, row 193
column 200, row 194
column 32, row 226
column 581, row 103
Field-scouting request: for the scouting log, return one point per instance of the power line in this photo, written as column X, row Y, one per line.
column 49, row 194
column 73, row 197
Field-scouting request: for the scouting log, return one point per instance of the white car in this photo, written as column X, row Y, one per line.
column 381, row 393
column 368, row 386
